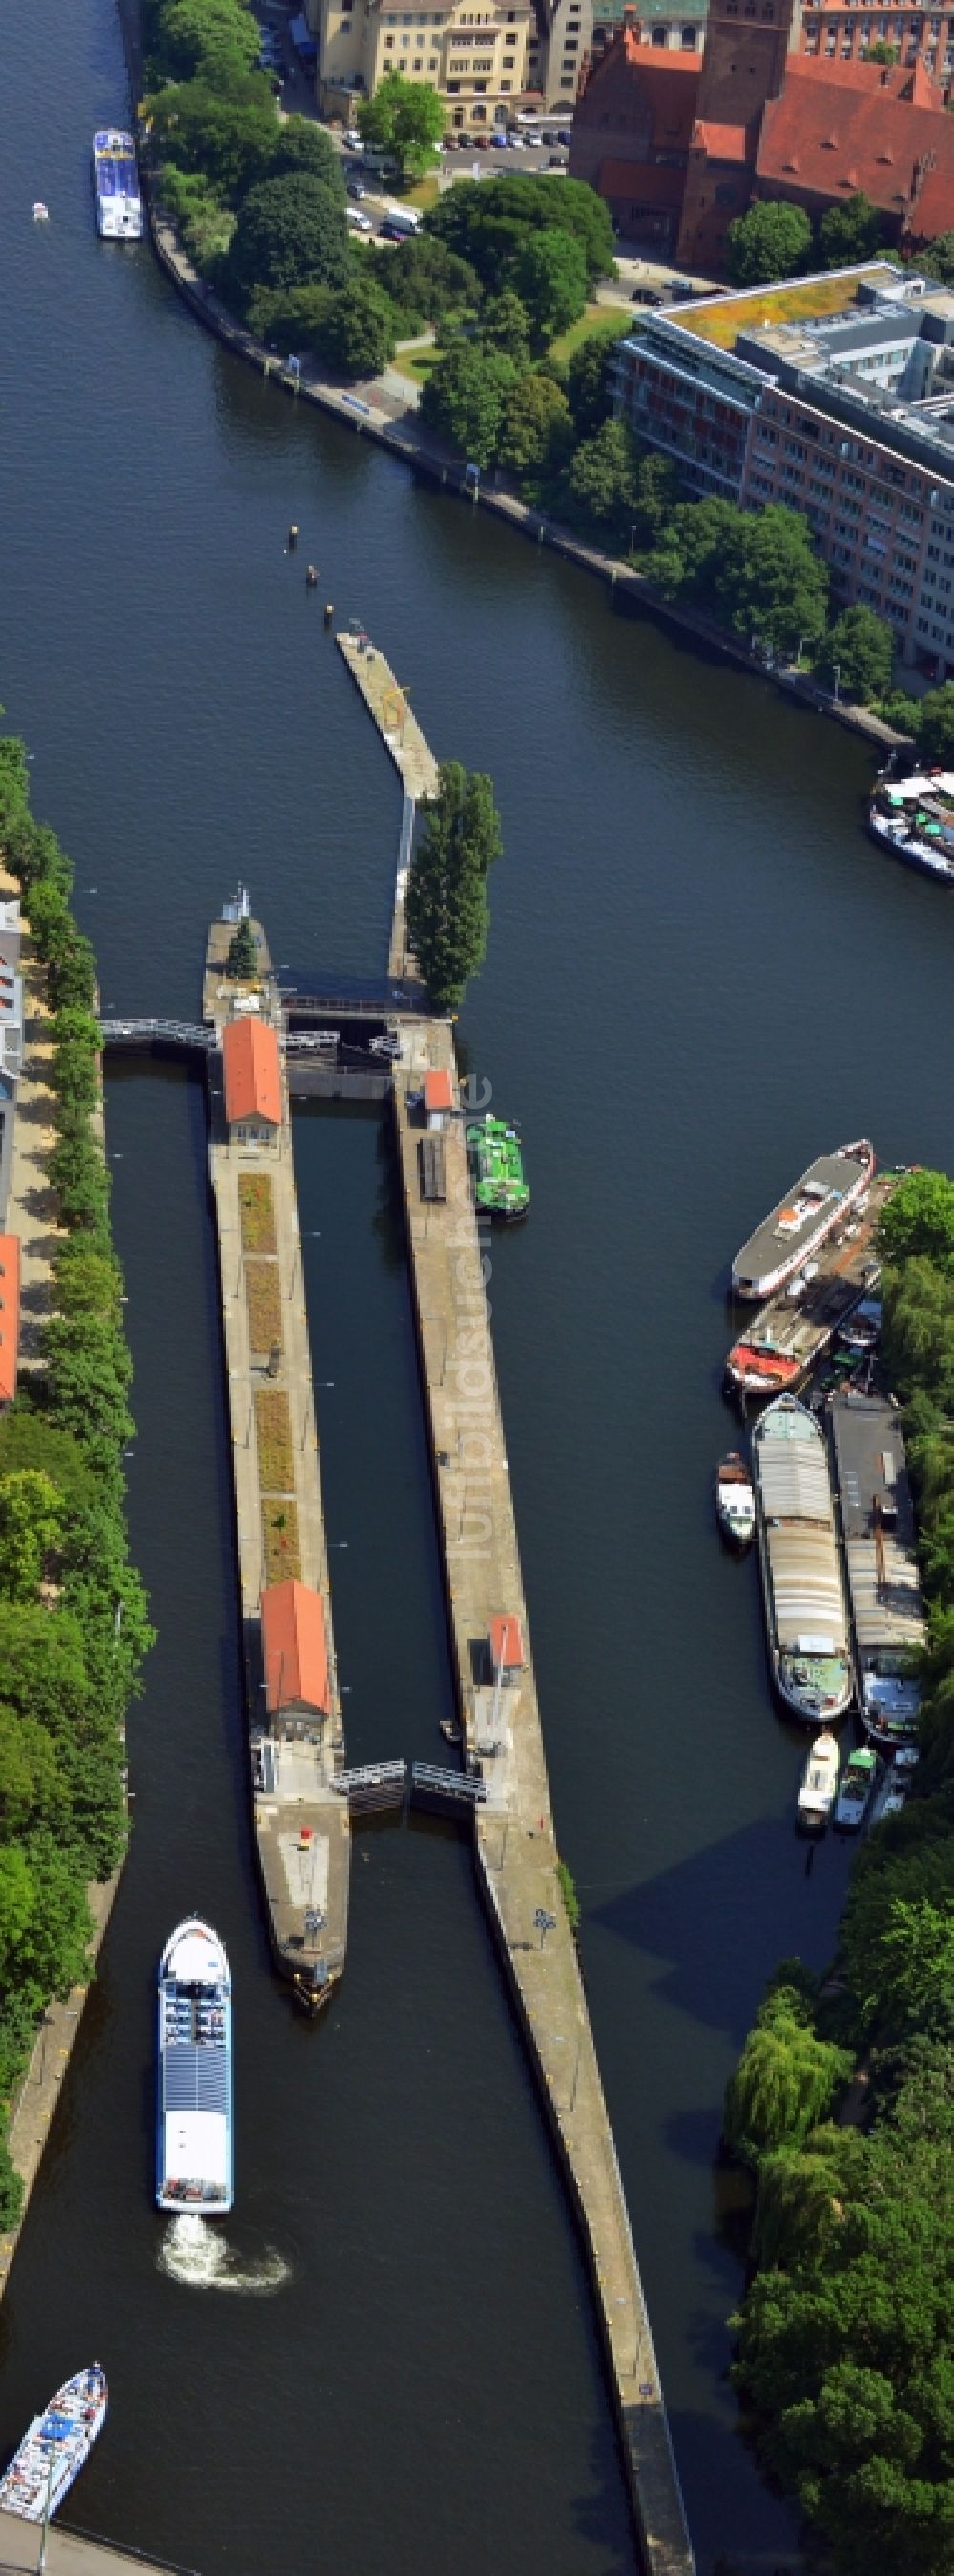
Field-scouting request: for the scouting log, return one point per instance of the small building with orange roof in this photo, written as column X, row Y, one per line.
column 9, row 1316
column 295, row 1653
column 253, row 1085
column 506, row 1647
column 439, row 1100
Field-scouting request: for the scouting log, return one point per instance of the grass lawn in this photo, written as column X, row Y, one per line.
column 263, row 1296
column 276, row 1462
column 415, row 363
column 280, row 1527
column 609, row 322
column 258, row 1221
column 806, row 299
column 424, row 193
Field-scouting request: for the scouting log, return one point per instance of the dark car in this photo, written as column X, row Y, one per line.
column 646, row 295
column 356, row 188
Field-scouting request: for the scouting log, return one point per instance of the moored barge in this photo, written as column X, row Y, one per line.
column 805, row 1612
column 878, row 1539
column 795, row 1328
column 796, row 1229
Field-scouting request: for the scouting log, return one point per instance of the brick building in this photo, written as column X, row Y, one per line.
column 680, row 147
column 834, row 395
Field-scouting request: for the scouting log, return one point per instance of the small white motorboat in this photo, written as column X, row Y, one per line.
column 892, row 1792
column 816, row 1796
column 41, row 213
column 856, row 1789
column 735, row 1501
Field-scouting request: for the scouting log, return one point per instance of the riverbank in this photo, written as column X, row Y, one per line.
column 629, row 589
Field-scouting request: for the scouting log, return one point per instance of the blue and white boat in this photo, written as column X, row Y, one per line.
column 52, row 2453
column 116, row 185
column 194, row 2108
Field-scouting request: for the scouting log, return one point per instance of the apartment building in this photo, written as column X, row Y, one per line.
column 475, row 55
column 835, row 396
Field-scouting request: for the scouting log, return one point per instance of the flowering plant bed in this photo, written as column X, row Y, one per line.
column 263, row 1298
column 276, row 1457
column 257, row 1213
column 280, row 1528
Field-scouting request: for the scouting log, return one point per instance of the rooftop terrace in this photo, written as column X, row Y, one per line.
column 721, row 319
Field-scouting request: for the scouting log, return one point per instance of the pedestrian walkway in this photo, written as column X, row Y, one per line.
column 31, row 1202
column 70, row 2553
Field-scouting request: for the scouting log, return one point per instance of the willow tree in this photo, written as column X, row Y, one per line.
column 785, row 2081
column 447, row 909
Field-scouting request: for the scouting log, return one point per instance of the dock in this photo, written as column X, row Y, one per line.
column 413, row 759
column 71, row 2553
column 515, row 1846
column 300, row 1817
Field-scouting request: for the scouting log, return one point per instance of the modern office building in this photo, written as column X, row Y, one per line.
column 834, row 395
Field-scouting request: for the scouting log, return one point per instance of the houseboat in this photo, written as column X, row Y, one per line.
column 913, row 817
column 794, row 1232
column 805, row 1612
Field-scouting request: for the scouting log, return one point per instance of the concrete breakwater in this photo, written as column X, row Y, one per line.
column 300, row 1819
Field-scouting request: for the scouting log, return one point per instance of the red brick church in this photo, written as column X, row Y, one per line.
column 678, row 145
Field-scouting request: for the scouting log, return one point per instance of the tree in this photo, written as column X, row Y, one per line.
column 860, row 648
column 290, row 318
column 228, row 139
column 463, row 400
column 587, row 384
column 785, row 2081
column 300, row 146
column 936, row 724
column 207, row 36
column 770, row 584
column 550, row 277
column 937, row 258
column 426, row 279
column 487, row 222
column 505, row 325
column 656, row 491
column 358, row 336
column 537, row 432
column 601, row 483
column 405, row 118
column 242, row 960
column 771, row 241
column 918, row 1221
column 290, row 232
column 447, row 910
column 851, row 232
column 882, row 52
column 31, row 1526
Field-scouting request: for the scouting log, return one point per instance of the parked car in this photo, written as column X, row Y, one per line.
column 556, row 160
column 357, row 189
column 360, row 223
column 565, row 136
column 646, row 295
column 481, row 142
column 500, row 143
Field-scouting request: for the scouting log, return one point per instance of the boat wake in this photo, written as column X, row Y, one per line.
column 196, row 2255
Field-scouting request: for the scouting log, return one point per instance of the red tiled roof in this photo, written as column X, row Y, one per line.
column 438, row 1089
column 506, row 1644
column 861, row 129
column 294, row 1647
column 9, row 1315
column 721, row 142
column 252, row 1081
column 631, row 74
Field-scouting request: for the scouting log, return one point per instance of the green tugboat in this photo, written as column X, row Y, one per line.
column 496, row 1164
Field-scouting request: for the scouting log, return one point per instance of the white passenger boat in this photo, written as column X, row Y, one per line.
column 116, row 185
column 194, row 2108
column 816, row 1796
column 805, row 1611
column 52, row 2453
column 856, row 1789
column 914, row 818
column 796, row 1228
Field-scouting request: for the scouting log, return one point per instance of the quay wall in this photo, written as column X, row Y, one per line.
column 629, row 590
column 72, row 2553
column 515, row 1847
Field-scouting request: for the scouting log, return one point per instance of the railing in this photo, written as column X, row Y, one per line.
column 141, row 1033
column 428, row 1780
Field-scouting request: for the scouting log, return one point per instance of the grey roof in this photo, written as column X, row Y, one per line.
column 798, row 1521
column 869, row 331
column 872, row 1472
column 826, row 1181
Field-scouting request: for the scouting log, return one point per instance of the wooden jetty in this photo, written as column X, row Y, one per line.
column 515, row 1846
column 300, row 1816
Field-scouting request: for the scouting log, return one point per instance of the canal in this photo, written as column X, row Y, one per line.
column 700, row 973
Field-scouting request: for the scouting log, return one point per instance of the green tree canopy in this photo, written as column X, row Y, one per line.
column 550, row 276
column 505, row 325
column 937, row 258
column 537, row 432
column 208, row 37
column 601, row 484
column 358, row 335
column 770, row 583
column 31, row 1526
column 587, row 384
column 486, row 221
column 464, row 398
column 859, row 649
column 242, row 960
column 426, row 279
column 290, row 318
column 406, row 118
column 290, row 232
column 447, row 908
column 919, row 1221
column 936, row 725
column 655, row 495
column 300, row 146
column 228, row 138
column 850, row 233
column 771, row 241
column 785, row 2081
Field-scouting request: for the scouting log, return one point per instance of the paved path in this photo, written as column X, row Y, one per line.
column 516, row 1849
column 414, row 761
column 68, row 2553
column 31, row 1203
column 295, row 1798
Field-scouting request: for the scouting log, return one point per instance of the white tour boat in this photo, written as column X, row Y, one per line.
column 116, row 185
column 914, row 818
column 796, row 1228
column 816, row 1796
column 52, row 2453
column 194, row 2106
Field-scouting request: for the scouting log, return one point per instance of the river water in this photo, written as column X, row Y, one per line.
column 700, row 973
